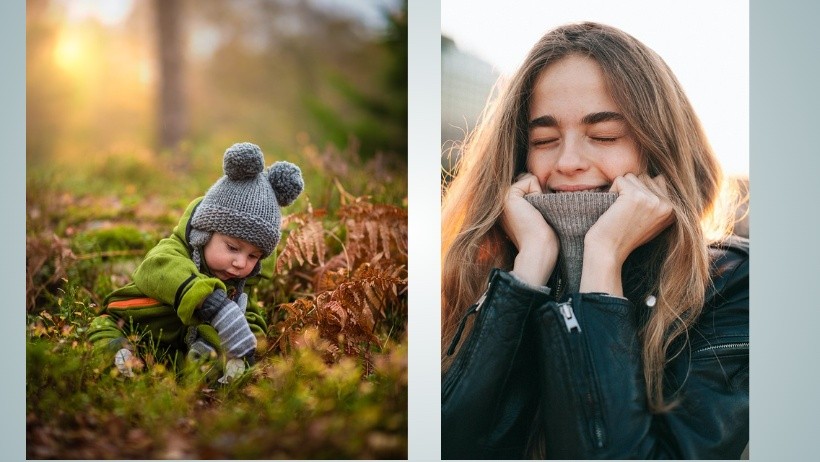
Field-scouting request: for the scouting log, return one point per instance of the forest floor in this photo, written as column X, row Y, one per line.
column 331, row 376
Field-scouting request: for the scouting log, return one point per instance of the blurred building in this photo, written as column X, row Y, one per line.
column 466, row 83
column 742, row 211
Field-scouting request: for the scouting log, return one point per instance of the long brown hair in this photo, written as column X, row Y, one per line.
column 672, row 142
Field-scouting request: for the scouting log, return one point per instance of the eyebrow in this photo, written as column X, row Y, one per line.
column 589, row 119
column 598, row 117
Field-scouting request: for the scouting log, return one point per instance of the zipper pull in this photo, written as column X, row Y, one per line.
column 481, row 300
column 569, row 316
column 473, row 309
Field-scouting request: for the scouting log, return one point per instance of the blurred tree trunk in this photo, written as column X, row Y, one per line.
column 172, row 117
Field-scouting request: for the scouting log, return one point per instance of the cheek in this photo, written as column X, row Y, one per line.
column 539, row 166
column 627, row 161
column 213, row 257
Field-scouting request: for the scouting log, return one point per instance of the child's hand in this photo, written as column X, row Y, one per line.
column 233, row 369
column 126, row 362
column 229, row 321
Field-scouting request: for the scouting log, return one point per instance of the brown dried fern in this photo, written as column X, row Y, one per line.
column 356, row 289
column 375, row 232
column 305, row 244
column 301, row 313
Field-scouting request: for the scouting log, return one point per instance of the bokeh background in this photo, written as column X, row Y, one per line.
column 190, row 77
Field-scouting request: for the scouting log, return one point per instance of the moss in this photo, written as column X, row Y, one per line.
column 122, row 237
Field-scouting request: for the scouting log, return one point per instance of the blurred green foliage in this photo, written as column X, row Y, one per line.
column 378, row 120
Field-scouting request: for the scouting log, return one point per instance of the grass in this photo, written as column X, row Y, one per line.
column 319, row 389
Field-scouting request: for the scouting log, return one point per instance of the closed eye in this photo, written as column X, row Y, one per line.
column 543, row 142
column 605, row 139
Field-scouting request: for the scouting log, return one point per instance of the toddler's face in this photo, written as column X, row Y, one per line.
column 229, row 257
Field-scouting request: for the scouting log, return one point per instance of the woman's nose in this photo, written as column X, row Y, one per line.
column 571, row 157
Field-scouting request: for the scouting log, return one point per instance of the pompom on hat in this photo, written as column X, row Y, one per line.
column 245, row 203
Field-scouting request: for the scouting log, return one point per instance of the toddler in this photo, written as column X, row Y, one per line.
column 188, row 294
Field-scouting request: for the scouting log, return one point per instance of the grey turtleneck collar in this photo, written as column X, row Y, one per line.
column 571, row 215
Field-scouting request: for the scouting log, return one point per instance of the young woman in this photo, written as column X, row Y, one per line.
column 594, row 303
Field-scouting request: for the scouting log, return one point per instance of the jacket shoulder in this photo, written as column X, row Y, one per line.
column 729, row 265
column 725, row 314
column 732, row 246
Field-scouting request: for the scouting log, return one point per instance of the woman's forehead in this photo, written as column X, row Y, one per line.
column 573, row 88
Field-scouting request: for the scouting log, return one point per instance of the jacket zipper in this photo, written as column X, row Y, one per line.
column 569, row 316
column 455, row 369
column 723, row 347
column 571, row 323
column 473, row 310
column 558, row 288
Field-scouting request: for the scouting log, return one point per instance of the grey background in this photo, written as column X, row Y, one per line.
column 13, row 237
column 424, row 223
column 784, row 168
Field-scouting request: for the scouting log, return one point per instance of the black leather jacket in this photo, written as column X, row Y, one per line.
column 573, row 371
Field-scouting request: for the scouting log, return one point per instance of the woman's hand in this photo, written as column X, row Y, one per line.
column 535, row 240
column 640, row 213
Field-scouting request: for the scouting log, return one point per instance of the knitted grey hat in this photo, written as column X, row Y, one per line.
column 571, row 215
column 245, row 202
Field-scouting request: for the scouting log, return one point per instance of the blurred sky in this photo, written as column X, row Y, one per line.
column 706, row 43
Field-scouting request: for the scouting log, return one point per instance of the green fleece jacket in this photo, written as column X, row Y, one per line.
column 168, row 289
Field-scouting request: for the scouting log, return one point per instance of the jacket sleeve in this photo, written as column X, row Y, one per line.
column 254, row 314
column 488, row 394
column 169, row 275
column 594, row 402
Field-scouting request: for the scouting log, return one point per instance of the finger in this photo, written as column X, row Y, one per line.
column 526, row 183
column 659, row 187
column 660, row 182
column 624, row 183
column 655, row 184
column 642, row 183
column 635, row 181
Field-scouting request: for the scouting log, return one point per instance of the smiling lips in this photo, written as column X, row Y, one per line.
column 579, row 188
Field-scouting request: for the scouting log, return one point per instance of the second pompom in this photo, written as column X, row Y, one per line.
column 286, row 180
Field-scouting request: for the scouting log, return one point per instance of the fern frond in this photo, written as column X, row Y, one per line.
column 375, row 230
column 305, row 243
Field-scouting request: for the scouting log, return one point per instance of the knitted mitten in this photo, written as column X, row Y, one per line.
column 242, row 301
column 229, row 321
column 198, row 348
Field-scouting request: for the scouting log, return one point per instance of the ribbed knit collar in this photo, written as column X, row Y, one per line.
column 571, row 215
